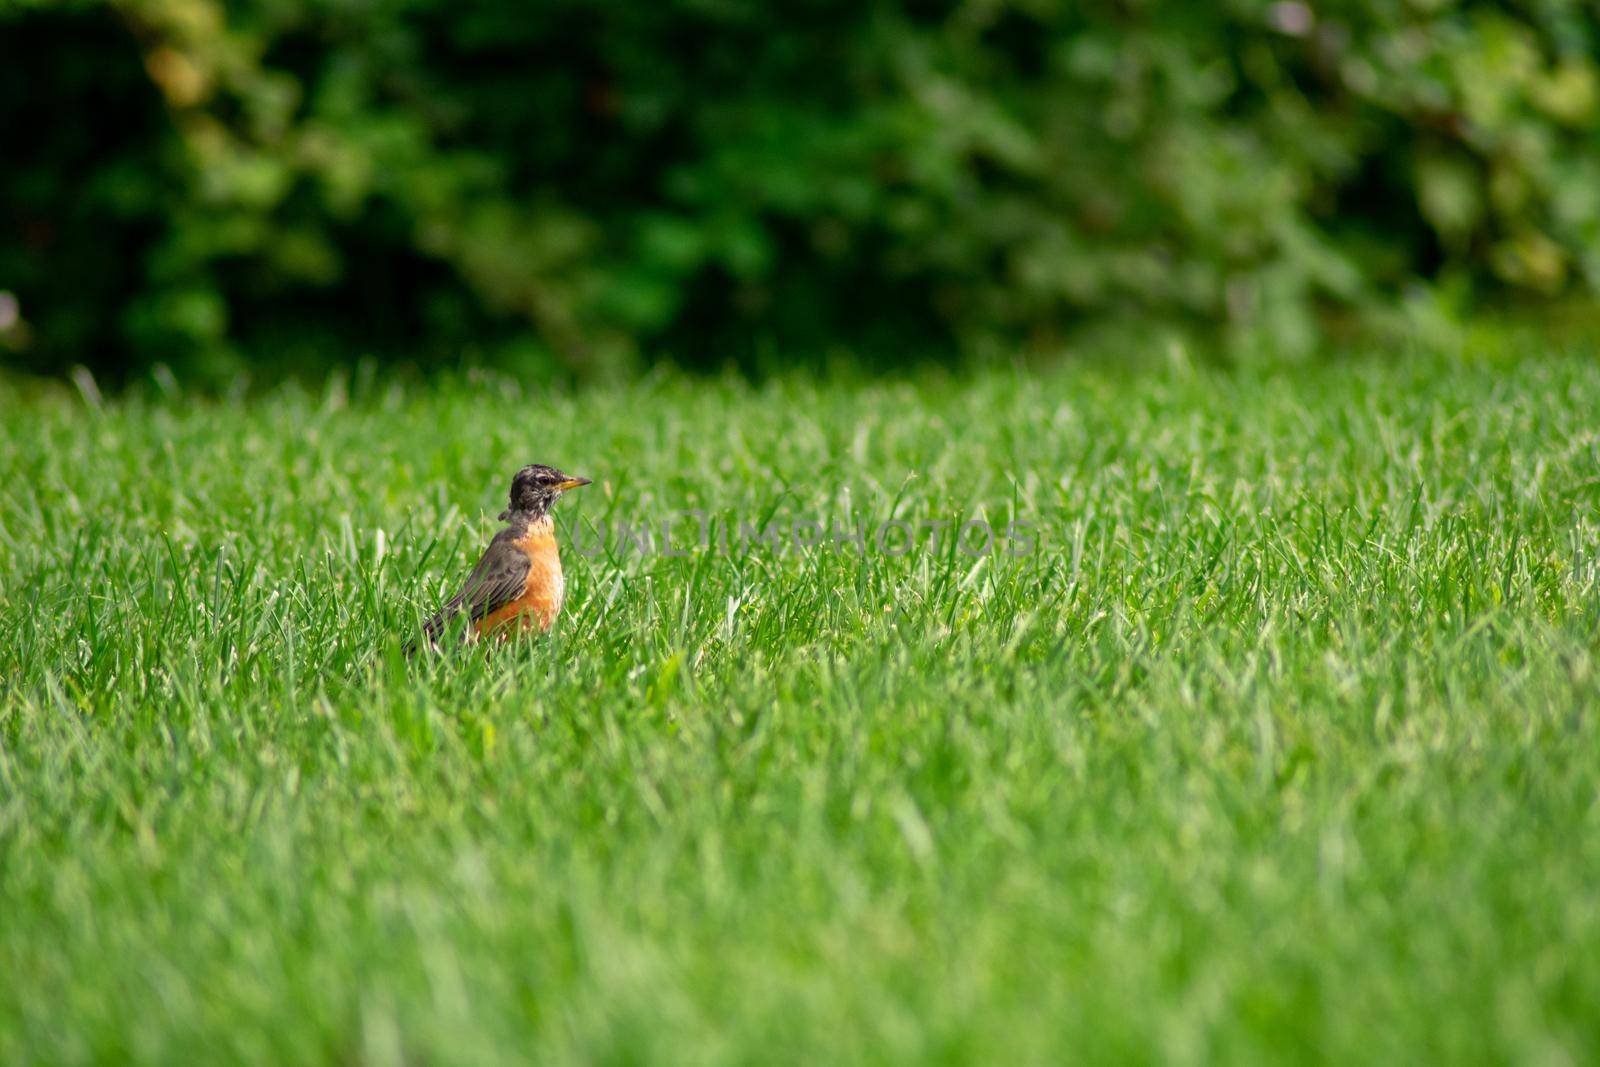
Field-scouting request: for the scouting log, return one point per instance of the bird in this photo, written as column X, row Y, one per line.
column 517, row 585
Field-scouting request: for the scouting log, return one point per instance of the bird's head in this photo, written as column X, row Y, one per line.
column 536, row 487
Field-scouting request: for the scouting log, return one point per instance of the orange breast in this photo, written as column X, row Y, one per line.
column 542, row 591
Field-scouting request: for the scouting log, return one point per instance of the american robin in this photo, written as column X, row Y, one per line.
column 517, row 585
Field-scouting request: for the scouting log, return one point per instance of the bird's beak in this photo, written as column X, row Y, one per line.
column 572, row 483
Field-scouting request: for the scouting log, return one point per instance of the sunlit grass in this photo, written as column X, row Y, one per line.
column 1281, row 739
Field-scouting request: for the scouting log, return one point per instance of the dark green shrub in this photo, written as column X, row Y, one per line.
column 592, row 183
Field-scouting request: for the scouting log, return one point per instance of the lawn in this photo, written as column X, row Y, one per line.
column 1275, row 737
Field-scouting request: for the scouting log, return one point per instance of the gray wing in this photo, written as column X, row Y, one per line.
column 496, row 581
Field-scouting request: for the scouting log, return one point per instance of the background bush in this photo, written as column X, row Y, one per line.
column 597, row 183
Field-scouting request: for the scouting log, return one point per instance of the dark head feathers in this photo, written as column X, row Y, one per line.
column 536, row 487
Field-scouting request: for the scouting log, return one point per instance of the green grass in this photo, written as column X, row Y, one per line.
column 1282, row 743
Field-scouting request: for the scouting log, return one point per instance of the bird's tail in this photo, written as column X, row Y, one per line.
column 433, row 631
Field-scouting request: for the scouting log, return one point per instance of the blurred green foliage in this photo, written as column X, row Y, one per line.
column 594, row 183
